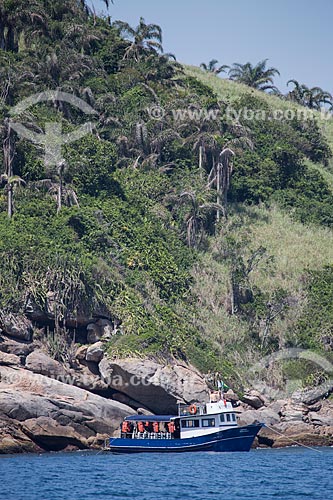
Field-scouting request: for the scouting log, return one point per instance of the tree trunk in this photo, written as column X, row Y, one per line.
column 200, row 161
column 218, row 191
column 61, row 169
column 2, row 36
column 234, row 294
column 10, row 201
column 8, row 156
column 11, row 43
column 226, row 170
column 59, row 196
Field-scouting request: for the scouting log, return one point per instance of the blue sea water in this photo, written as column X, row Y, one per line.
column 290, row 473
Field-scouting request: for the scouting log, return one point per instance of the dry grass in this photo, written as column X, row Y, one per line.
column 294, row 247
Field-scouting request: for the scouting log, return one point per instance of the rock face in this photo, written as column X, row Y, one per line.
column 17, row 326
column 289, row 422
column 19, row 348
column 95, row 352
column 157, row 387
column 40, row 413
column 39, row 362
column 81, row 352
column 46, row 316
column 13, row 439
column 265, row 415
column 102, row 329
column 45, row 405
column 86, row 376
column 9, row 359
column 253, row 398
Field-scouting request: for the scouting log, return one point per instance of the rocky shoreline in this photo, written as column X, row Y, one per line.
column 46, row 405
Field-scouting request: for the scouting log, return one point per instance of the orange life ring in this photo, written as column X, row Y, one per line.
column 192, row 409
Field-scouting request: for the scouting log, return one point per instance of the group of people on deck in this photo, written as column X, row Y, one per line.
column 149, row 429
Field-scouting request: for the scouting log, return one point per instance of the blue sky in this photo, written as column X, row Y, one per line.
column 295, row 35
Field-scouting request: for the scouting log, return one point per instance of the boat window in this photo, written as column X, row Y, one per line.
column 190, row 423
column 222, row 418
column 208, row 422
column 233, row 417
column 228, row 417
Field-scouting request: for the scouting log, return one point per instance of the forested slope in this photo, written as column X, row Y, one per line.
column 134, row 226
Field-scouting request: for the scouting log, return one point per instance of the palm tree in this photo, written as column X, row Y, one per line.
column 223, row 177
column 8, row 157
column 62, row 192
column 145, row 39
column 297, row 93
column 90, row 10
column 8, row 178
column 312, row 98
column 211, row 67
column 259, row 76
column 197, row 216
column 205, row 141
column 317, row 97
column 17, row 19
column 220, row 174
column 11, row 183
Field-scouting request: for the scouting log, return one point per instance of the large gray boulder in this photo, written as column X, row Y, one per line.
column 19, row 348
column 321, row 415
column 253, row 398
column 54, row 415
column 16, row 326
column 264, row 415
column 95, row 352
column 9, row 359
column 86, row 376
column 39, row 362
column 158, row 387
column 101, row 329
column 293, row 412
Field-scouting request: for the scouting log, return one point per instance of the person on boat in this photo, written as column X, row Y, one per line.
column 141, row 427
column 126, row 428
column 156, row 427
column 171, row 427
column 148, row 427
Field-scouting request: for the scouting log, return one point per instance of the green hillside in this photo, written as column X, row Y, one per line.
column 133, row 226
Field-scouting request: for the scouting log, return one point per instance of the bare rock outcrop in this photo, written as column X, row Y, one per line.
column 254, row 399
column 95, row 352
column 288, row 422
column 9, row 359
column 42, row 413
column 21, row 348
column 101, row 329
column 40, row 362
column 158, row 387
column 17, row 326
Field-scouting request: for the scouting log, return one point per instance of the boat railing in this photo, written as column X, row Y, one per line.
column 147, row 435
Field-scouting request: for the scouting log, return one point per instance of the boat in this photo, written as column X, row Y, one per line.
column 209, row 426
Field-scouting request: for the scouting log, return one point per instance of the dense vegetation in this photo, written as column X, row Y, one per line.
column 152, row 222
